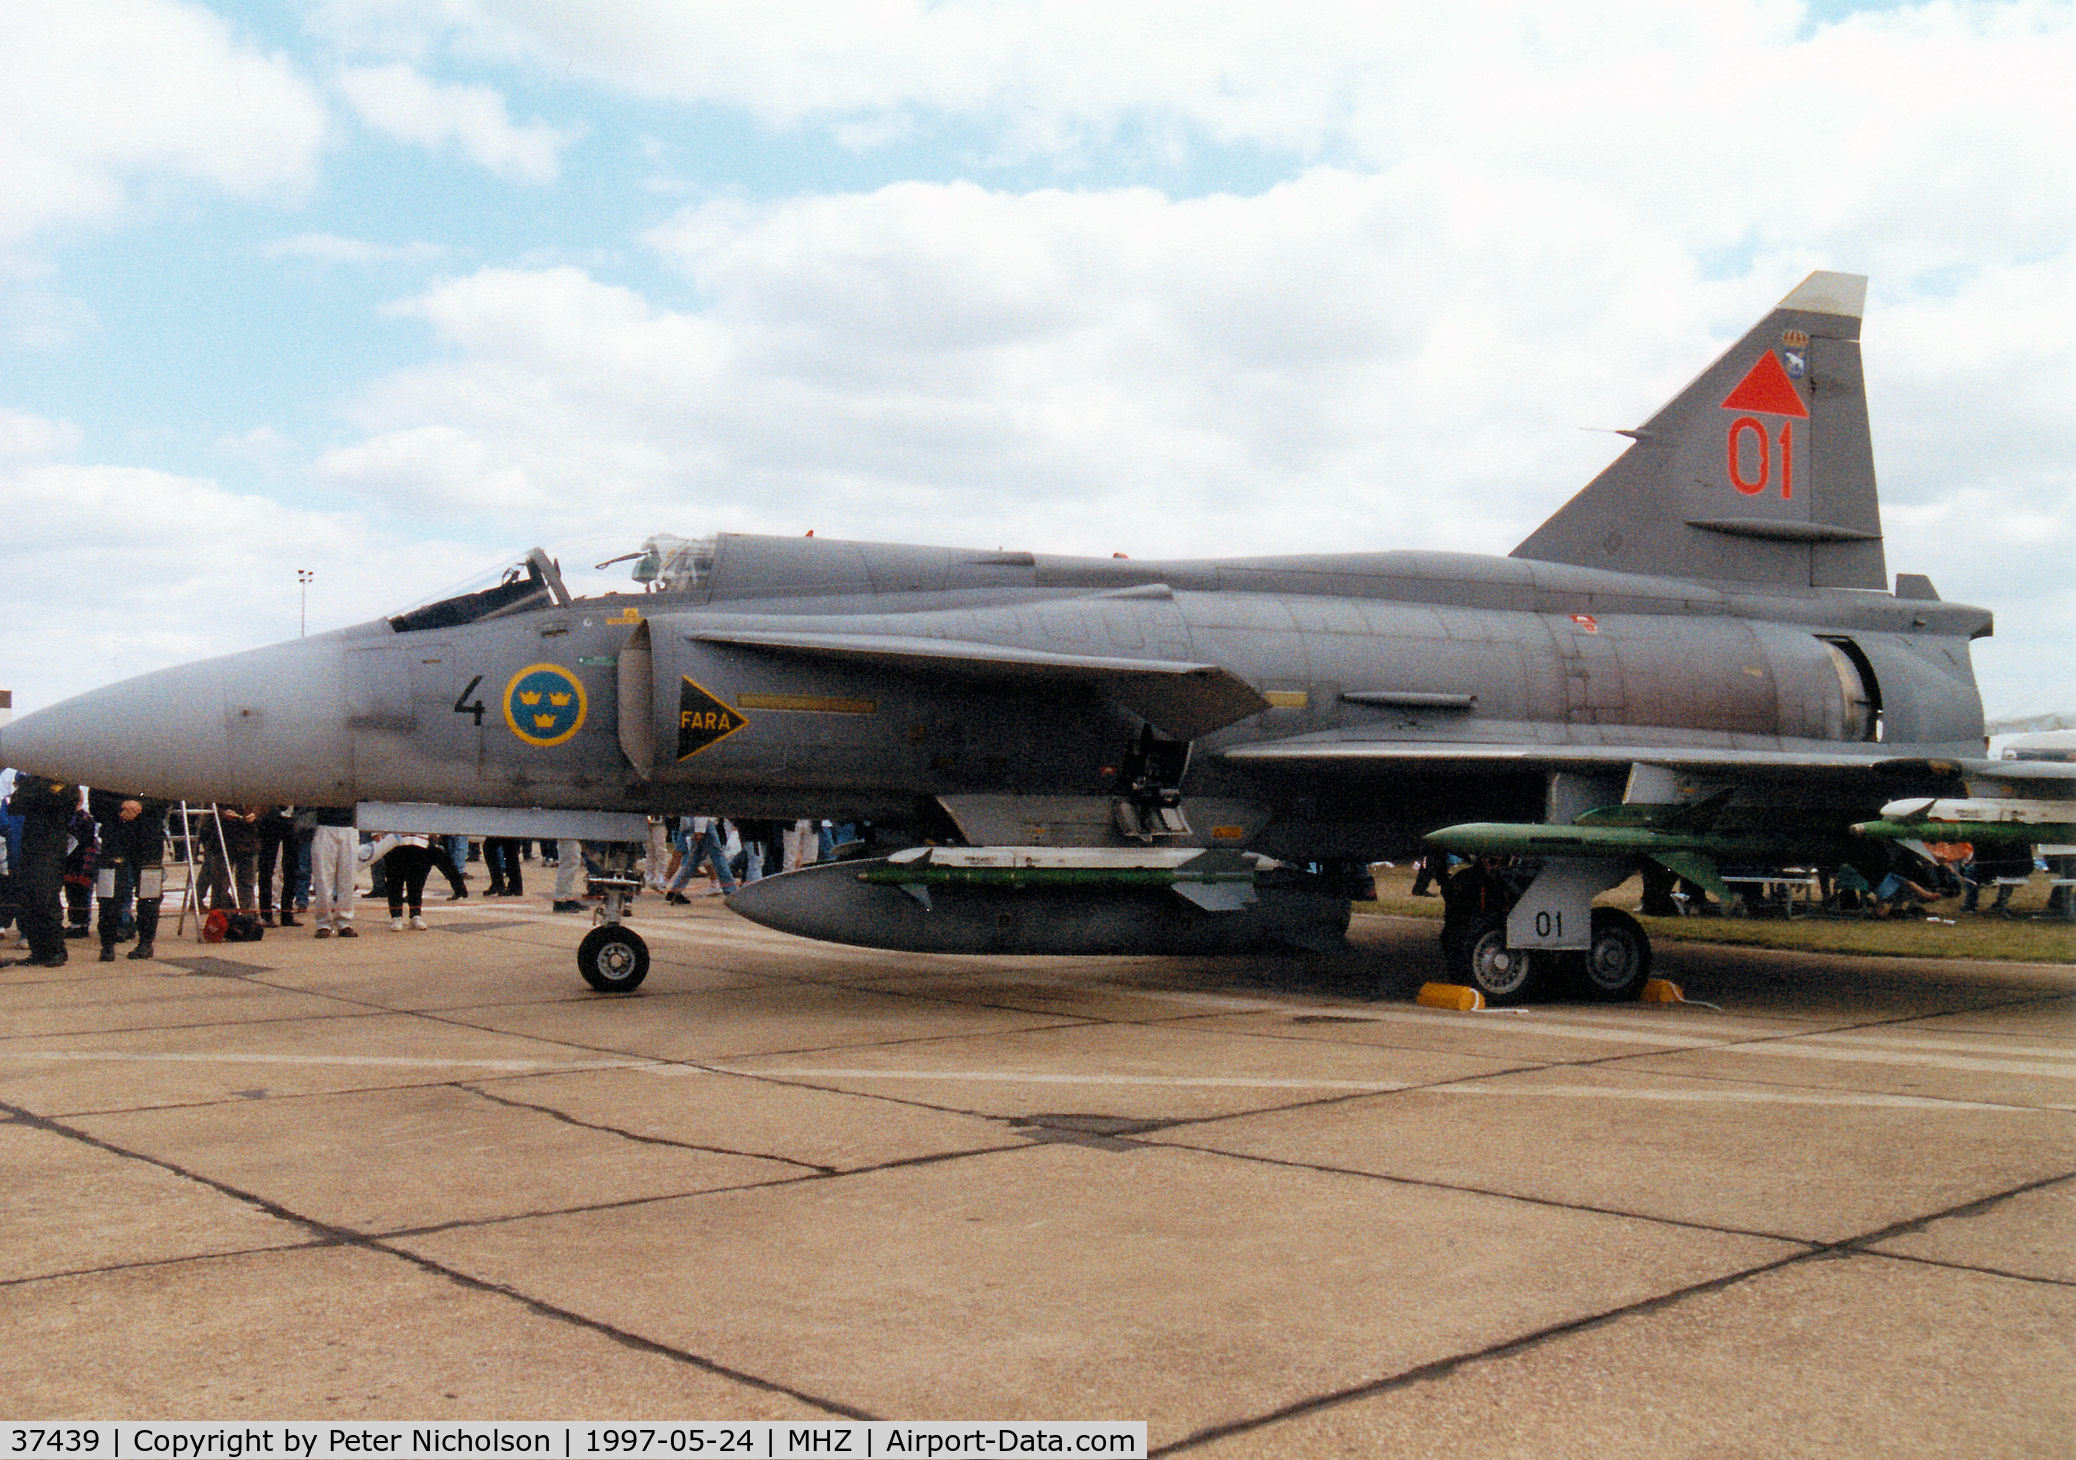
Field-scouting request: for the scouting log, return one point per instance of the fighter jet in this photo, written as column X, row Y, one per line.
column 1698, row 658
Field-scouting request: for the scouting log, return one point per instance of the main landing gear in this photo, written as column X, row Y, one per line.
column 1618, row 964
column 1614, row 965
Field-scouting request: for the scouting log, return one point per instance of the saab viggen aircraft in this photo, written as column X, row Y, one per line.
column 1698, row 660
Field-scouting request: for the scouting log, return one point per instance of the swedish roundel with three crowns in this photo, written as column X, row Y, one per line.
column 544, row 704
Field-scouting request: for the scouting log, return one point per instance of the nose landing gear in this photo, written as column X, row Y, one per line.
column 613, row 958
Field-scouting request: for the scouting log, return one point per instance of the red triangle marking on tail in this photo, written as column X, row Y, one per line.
column 1767, row 389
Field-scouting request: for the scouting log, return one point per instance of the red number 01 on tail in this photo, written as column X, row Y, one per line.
column 1748, row 437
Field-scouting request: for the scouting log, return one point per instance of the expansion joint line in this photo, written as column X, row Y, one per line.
column 331, row 1234
column 1440, row 1368
column 613, row 1130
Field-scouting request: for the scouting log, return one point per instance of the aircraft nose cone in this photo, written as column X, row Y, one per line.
column 153, row 735
column 264, row 726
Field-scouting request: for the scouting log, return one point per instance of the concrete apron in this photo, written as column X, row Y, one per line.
column 428, row 1175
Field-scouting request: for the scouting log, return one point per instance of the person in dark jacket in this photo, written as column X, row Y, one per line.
column 507, row 874
column 133, row 859
column 112, row 895
column 277, row 832
column 46, row 808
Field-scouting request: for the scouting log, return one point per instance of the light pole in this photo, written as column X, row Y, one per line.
column 303, row 577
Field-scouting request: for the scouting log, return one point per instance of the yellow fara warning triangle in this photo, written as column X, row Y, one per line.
column 702, row 719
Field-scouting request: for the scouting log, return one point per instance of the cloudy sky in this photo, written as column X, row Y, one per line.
column 390, row 290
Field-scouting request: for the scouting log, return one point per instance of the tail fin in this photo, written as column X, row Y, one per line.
column 1760, row 471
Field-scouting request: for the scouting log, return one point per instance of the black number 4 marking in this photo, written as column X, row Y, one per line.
column 462, row 704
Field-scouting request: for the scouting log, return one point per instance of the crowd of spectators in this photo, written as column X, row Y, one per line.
column 75, row 862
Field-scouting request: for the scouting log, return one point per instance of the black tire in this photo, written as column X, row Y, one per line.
column 613, row 959
column 1619, row 962
column 1477, row 954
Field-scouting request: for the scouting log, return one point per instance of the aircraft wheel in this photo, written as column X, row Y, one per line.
column 1477, row 954
column 613, row 959
column 1619, row 961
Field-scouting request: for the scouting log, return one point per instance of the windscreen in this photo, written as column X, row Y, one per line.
column 670, row 564
column 530, row 583
column 664, row 563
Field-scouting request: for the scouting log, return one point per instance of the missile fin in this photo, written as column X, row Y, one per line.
column 1697, row 869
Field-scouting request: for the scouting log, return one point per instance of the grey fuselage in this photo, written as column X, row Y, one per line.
column 1410, row 649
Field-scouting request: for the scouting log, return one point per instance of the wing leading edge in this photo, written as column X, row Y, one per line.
column 1184, row 700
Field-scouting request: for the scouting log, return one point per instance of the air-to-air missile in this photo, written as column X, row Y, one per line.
column 1695, row 840
column 1541, row 839
column 1696, row 856
column 1980, row 821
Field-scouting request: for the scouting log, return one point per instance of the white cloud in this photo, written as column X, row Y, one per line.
column 24, row 436
column 1346, row 362
column 403, row 467
column 104, row 94
column 1058, row 68
column 1976, row 448
column 401, row 103
column 152, row 568
column 2009, row 552
column 202, row 571
column 331, row 248
column 1514, row 221
column 1748, row 116
column 978, row 361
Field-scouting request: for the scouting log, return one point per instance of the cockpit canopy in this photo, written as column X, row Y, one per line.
column 663, row 564
column 668, row 564
column 533, row 582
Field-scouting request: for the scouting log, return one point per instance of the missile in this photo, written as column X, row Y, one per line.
column 1048, row 900
column 1984, row 821
column 1679, row 840
column 1544, row 839
column 2017, row 834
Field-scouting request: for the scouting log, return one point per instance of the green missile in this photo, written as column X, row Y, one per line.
column 1975, row 833
column 1543, row 839
column 1685, row 851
